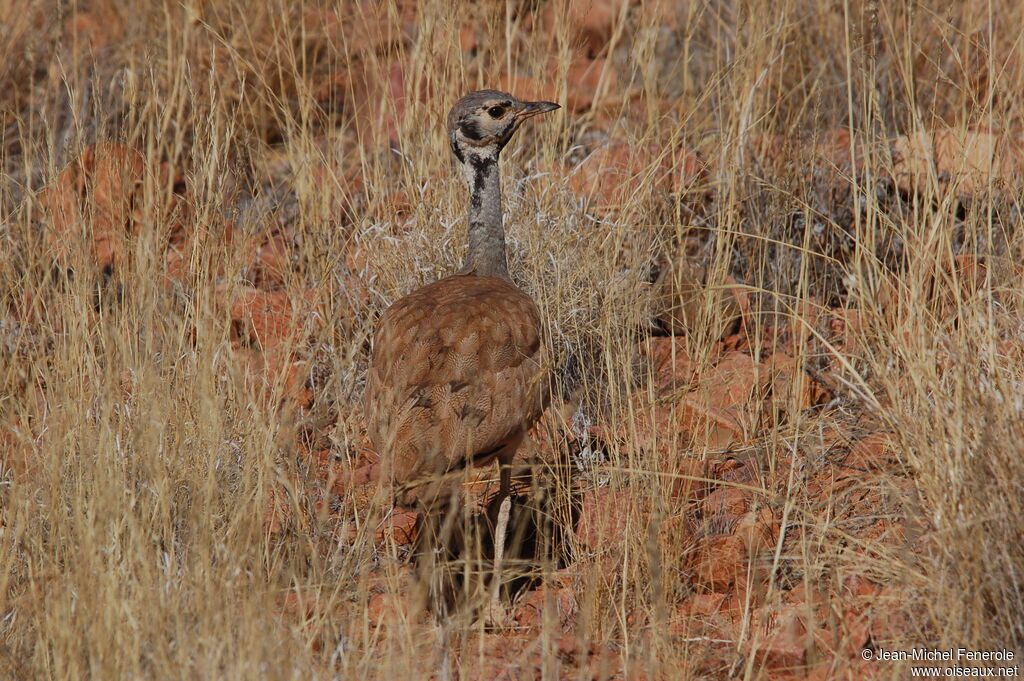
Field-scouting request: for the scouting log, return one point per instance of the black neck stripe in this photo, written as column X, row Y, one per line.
column 458, row 152
column 482, row 168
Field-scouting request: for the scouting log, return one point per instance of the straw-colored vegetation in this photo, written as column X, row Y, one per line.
column 776, row 245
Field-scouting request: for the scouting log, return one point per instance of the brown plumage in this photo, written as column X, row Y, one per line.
column 457, row 375
column 455, row 378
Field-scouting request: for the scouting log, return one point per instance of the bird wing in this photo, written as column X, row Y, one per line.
column 456, row 375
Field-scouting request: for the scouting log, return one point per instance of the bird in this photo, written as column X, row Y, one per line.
column 457, row 375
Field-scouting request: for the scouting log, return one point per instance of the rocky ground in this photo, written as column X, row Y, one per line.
column 784, row 351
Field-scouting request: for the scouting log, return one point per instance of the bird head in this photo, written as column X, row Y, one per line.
column 482, row 122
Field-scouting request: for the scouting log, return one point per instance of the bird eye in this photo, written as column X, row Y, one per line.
column 496, row 111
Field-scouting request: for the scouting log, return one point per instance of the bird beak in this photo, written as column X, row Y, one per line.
column 534, row 108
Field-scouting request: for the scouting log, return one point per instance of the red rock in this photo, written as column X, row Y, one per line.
column 273, row 261
column 603, row 662
column 829, row 150
column 725, row 405
column 304, row 605
column 467, row 39
column 735, row 469
column 791, row 386
column 96, row 30
column 736, row 342
column 389, row 609
column 970, row 161
column 618, row 173
column 869, row 453
column 721, row 562
column 93, row 197
column 392, row 598
column 505, row 657
column 361, row 27
column 671, row 366
column 591, row 22
column 555, row 599
column 730, row 562
column 399, row 527
column 786, row 644
column 584, row 77
column 377, row 608
column 688, row 304
column 728, row 402
column 889, row 618
column 690, row 477
column 848, row 331
column 266, row 317
column 860, row 587
column 275, row 373
column 854, row 633
column 603, row 519
column 707, row 630
column 526, row 88
column 735, row 379
column 796, row 595
column 728, row 503
column 705, row 604
column 757, row 530
column 374, row 93
column 677, row 541
column 98, row 200
column 838, row 150
column 715, row 428
column 344, row 479
column 567, row 644
column 741, row 294
column 653, row 428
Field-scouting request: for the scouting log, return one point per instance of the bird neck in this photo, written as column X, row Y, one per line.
column 486, row 254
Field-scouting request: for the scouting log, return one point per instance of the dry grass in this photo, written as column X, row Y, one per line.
column 139, row 463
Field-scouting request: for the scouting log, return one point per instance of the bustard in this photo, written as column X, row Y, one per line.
column 456, row 377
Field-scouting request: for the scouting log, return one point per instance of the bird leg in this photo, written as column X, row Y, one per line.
column 497, row 613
